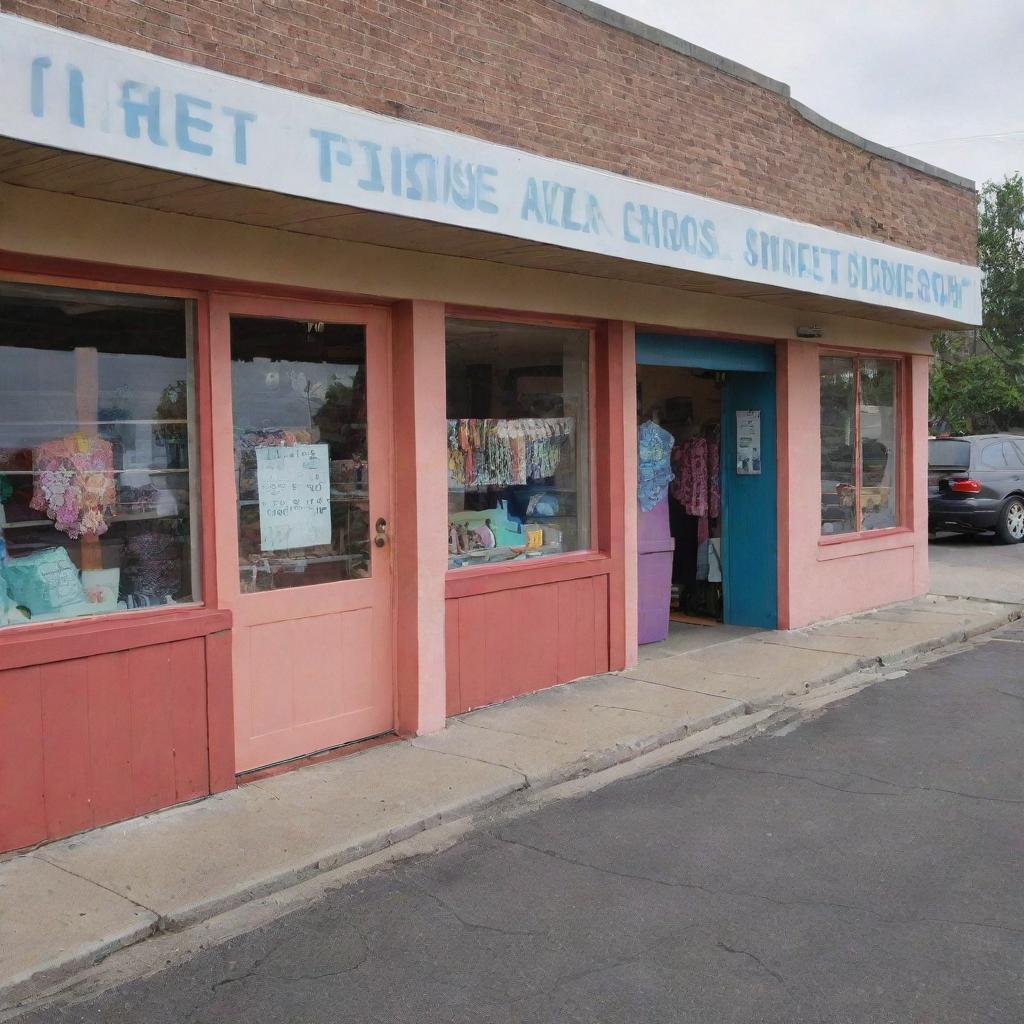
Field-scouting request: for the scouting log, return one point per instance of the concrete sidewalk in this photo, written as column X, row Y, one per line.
column 66, row 905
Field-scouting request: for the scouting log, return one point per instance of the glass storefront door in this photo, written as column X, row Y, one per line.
column 302, row 449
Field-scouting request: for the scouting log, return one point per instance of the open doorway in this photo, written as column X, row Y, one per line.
column 687, row 403
column 707, row 545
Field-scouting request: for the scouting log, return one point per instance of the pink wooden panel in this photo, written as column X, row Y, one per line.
column 584, row 637
column 150, row 688
column 602, row 635
column 453, row 665
column 270, row 677
column 22, row 807
column 506, row 625
column 67, row 772
column 110, row 737
column 472, row 653
column 566, row 619
column 88, row 741
column 314, row 683
column 534, row 662
column 501, row 644
column 220, row 711
column 188, row 699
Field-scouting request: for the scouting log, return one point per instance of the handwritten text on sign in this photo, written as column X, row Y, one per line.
column 294, row 490
column 71, row 92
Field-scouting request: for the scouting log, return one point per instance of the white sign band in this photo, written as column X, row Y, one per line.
column 75, row 93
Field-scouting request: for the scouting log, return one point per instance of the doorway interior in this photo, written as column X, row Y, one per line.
column 708, row 553
column 688, row 404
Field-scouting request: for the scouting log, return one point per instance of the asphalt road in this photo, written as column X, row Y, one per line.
column 864, row 868
column 977, row 566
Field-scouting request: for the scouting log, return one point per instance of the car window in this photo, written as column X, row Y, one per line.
column 1013, row 457
column 999, row 455
column 949, row 453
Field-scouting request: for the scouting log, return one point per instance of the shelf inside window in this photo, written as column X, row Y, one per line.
column 77, row 425
column 134, row 469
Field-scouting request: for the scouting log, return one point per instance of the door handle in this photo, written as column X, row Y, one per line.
column 381, row 528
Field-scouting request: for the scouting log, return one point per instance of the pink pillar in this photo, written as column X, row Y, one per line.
column 629, row 465
column 916, row 488
column 615, row 468
column 421, row 515
column 784, row 415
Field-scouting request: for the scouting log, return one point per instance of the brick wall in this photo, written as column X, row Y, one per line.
column 536, row 75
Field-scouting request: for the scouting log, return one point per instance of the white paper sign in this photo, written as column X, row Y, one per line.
column 748, row 442
column 75, row 93
column 294, row 489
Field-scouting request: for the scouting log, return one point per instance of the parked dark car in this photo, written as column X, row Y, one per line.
column 976, row 484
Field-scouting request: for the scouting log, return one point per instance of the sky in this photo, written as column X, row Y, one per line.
column 941, row 80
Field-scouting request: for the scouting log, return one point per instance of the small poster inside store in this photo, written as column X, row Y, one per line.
column 748, row 442
column 294, row 495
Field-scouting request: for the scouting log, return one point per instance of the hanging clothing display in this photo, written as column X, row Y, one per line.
column 714, row 474
column 697, row 485
column 504, row 452
column 715, row 560
column 73, row 484
column 152, row 568
column 690, row 465
column 654, row 464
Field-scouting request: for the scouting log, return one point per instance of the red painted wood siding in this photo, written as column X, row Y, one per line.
column 509, row 642
column 93, row 740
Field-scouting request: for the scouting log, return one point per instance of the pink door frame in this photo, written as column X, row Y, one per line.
column 314, row 695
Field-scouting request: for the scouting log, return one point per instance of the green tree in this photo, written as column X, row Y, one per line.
column 975, row 395
column 977, row 381
column 1001, row 258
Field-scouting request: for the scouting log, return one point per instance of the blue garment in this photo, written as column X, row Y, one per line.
column 654, row 464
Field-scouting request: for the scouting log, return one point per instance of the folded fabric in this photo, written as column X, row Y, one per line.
column 44, row 582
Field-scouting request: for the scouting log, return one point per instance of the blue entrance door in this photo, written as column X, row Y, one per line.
column 749, row 510
column 749, row 545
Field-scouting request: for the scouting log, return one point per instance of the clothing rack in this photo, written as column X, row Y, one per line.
column 506, row 452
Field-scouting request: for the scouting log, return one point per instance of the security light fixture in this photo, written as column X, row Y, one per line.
column 809, row 331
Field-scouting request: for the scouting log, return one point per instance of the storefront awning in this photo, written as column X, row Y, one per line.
column 93, row 119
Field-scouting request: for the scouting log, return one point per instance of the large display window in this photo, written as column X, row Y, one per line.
column 859, row 470
column 98, row 480
column 518, row 450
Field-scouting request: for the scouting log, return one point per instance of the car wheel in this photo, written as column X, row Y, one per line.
column 1010, row 527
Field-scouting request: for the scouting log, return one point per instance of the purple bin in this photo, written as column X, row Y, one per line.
column 654, row 577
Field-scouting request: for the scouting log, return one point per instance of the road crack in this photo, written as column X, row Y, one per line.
column 473, row 925
column 757, row 960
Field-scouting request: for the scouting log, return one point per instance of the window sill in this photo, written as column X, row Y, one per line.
column 486, row 579
column 63, row 640
column 867, row 542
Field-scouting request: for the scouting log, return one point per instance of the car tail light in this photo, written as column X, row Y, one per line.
column 965, row 486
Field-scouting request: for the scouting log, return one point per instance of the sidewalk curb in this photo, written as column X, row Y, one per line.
column 594, row 770
column 15, row 991
column 898, row 657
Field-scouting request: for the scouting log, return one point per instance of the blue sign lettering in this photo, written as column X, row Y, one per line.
column 185, row 122
column 135, row 111
column 241, row 119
